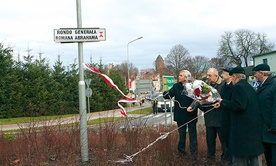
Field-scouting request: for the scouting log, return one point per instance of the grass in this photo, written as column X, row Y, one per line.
column 141, row 111
column 18, row 120
column 104, row 120
column 6, row 121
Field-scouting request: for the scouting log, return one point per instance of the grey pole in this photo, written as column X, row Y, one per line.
column 82, row 102
column 88, row 105
column 171, row 111
column 166, row 123
column 128, row 62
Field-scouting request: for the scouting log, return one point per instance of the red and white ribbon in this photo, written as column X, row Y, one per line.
column 111, row 83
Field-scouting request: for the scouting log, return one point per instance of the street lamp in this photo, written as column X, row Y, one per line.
column 128, row 62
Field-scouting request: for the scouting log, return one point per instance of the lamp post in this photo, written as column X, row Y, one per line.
column 128, row 62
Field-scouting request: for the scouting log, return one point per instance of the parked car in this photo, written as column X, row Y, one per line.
column 158, row 104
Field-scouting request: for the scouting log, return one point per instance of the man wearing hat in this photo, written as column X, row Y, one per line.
column 266, row 93
column 225, row 93
column 245, row 142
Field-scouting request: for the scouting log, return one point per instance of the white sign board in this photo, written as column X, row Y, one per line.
column 73, row 35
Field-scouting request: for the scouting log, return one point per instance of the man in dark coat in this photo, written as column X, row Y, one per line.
column 181, row 116
column 225, row 93
column 266, row 93
column 213, row 118
column 245, row 143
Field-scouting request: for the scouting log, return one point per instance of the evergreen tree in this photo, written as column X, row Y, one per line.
column 6, row 82
column 59, row 93
column 36, row 83
column 71, row 89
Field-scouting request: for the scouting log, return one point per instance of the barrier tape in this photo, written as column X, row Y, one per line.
column 163, row 136
column 127, row 99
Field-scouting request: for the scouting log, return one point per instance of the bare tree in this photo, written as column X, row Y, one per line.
column 133, row 71
column 177, row 59
column 219, row 63
column 198, row 66
column 238, row 47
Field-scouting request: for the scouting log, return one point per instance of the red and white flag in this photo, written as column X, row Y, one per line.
column 111, row 83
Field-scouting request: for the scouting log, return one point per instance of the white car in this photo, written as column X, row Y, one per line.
column 158, row 104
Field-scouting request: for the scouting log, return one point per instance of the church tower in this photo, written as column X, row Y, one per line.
column 159, row 64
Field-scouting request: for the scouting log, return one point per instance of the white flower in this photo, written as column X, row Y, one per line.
column 204, row 92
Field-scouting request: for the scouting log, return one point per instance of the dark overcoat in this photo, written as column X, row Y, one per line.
column 267, row 101
column 225, row 93
column 181, row 102
column 213, row 118
column 246, row 123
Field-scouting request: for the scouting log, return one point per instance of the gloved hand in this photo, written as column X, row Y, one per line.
column 273, row 131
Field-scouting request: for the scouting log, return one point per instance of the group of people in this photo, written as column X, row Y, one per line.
column 244, row 119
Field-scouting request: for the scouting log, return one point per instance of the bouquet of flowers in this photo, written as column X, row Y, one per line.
column 202, row 93
column 205, row 93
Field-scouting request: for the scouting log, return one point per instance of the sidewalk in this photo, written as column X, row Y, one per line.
column 73, row 119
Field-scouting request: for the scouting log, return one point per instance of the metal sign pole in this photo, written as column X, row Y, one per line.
column 88, row 93
column 166, row 123
column 171, row 111
column 82, row 101
column 74, row 35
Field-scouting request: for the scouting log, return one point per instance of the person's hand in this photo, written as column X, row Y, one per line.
column 216, row 105
column 273, row 131
column 190, row 109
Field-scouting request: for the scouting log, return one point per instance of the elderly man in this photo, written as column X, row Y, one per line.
column 181, row 116
column 225, row 93
column 267, row 100
column 213, row 118
column 245, row 143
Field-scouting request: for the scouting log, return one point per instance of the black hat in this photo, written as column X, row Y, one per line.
column 237, row 70
column 227, row 69
column 261, row 67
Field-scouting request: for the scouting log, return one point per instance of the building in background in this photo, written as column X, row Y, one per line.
column 266, row 58
column 155, row 74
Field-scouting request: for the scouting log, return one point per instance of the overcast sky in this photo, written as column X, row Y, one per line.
column 195, row 24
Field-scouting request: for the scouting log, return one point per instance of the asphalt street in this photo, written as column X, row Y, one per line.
column 149, row 119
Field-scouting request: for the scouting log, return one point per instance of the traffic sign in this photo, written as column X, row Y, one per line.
column 87, row 81
column 143, row 86
column 168, row 82
column 73, row 35
column 88, row 92
column 255, row 84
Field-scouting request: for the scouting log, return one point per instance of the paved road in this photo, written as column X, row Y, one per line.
column 150, row 119
column 161, row 118
column 73, row 119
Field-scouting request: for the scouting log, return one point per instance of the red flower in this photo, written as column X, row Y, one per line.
column 197, row 92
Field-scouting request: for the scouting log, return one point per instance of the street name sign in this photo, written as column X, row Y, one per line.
column 74, row 35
